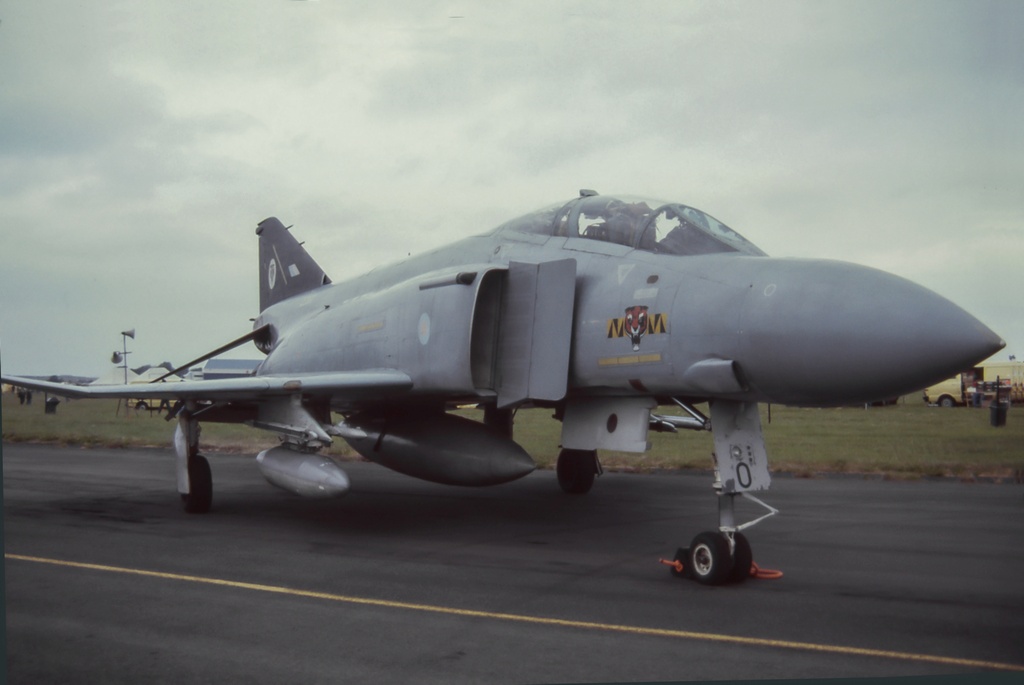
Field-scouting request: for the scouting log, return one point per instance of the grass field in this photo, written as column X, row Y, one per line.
column 906, row 440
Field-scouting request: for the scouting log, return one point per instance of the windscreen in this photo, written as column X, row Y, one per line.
column 681, row 230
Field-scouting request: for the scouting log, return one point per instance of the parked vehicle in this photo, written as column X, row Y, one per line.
column 978, row 385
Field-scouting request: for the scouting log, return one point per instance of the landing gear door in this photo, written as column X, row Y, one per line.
column 536, row 331
column 742, row 460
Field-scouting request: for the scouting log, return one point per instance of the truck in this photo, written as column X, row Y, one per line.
column 978, row 385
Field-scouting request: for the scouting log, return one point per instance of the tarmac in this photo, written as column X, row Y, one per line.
column 108, row 580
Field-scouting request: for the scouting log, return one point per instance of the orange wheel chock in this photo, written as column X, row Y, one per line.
column 763, row 573
column 677, row 565
column 755, row 570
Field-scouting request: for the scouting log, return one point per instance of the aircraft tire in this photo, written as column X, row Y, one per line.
column 709, row 560
column 200, row 496
column 742, row 559
column 576, row 470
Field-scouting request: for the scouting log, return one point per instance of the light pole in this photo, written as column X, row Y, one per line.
column 123, row 355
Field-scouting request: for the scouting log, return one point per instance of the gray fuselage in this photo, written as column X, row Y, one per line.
column 731, row 325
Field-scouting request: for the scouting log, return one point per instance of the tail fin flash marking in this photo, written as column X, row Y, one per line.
column 276, row 266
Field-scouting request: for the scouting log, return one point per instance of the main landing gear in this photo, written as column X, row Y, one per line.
column 576, row 470
column 195, row 483
column 199, row 498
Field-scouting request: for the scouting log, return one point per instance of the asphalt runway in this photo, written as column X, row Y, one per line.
column 401, row 580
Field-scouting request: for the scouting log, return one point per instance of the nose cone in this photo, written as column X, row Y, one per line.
column 824, row 333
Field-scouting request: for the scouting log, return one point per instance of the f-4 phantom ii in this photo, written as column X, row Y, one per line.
column 602, row 309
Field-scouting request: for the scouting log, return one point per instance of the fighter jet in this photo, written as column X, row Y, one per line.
column 602, row 309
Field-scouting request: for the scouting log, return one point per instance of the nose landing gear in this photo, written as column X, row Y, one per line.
column 725, row 556
column 741, row 465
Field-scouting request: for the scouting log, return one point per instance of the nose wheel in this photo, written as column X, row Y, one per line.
column 725, row 556
column 710, row 562
column 714, row 559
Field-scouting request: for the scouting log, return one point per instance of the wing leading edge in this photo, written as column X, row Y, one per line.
column 348, row 385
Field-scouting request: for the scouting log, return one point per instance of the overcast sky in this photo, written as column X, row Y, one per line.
column 141, row 143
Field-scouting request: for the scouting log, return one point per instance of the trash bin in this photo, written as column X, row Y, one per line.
column 997, row 413
column 51, row 405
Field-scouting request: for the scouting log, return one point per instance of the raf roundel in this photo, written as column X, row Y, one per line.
column 424, row 328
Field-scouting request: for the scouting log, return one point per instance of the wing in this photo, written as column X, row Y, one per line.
column 341, row 387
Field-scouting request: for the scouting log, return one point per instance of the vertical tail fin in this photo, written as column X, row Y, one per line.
column 286, row 269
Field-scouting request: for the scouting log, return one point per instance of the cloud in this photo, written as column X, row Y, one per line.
column 143, row 142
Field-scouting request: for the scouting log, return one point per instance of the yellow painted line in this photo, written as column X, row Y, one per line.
column 536, row 620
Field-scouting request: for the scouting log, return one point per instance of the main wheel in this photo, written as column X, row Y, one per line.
column 710, row 561
column 742, row 559
column 200, row 486
column 576, row 470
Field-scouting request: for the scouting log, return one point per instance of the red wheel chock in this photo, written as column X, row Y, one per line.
column 755, row 570
column 763, row 573
column 676, row 565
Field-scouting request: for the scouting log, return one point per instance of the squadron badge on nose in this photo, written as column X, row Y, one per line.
column 636, row 324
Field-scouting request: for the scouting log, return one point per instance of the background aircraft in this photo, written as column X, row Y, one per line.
column 602, row 308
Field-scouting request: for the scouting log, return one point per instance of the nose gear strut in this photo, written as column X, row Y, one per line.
column 741, row 466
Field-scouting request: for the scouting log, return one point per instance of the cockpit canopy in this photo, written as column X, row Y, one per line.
column 643, row 224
